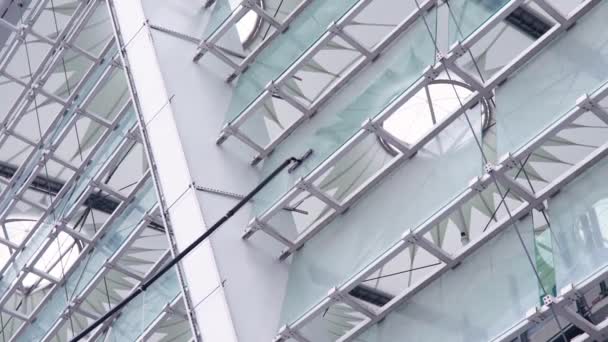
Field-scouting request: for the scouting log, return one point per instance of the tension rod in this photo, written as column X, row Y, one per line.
column 291, row 162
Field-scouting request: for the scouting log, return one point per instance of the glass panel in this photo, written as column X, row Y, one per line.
column 579, row 222
column 67, row 202
column 116, row 235
column 276, row 58
column 362, row 98
column 353, row 240
column 142, row 311
column 548, row 86
column 96, row 32
column 490, row 290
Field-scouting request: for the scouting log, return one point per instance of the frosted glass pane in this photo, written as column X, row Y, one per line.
column 579, row 221
column 353, row 240
column 221, row 12
column 467, row 15
column 78, row 187
column 140, row 312
column 363, row 98
column 82, row 275
column 483, row 296
column 548, row 86
column 284, row 50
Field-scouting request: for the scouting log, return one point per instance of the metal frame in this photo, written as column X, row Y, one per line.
column 339, row 294
column 374, row 125
column 209, row 43
column 88, row 86
column 530, row 201
column 169, row 310
column 90, row 242
column 274, row 88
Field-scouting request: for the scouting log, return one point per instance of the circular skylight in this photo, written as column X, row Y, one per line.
column 429, row 106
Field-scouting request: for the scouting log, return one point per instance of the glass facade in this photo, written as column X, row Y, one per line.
column 444, row 178
column 80, row 216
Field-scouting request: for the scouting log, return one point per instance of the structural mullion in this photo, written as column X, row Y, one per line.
column 142, row 125
column 53, row 57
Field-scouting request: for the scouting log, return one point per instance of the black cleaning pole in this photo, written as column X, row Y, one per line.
column 293, row 162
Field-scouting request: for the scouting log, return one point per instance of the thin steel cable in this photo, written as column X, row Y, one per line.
column 274, row 16
column 401, row 272
column 498, row 189
column 451, row 13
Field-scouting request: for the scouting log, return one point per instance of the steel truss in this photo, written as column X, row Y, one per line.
column 495, row 173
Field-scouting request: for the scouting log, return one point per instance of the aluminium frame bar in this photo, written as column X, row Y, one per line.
column 88, row 248
column 15, row 40
column 430, row 74
column 51, row 138
column 63, row 192
column 169, row 310
column 24, row 29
